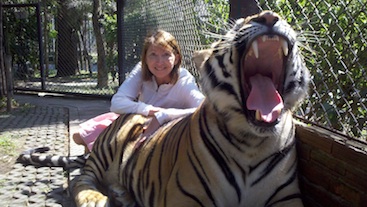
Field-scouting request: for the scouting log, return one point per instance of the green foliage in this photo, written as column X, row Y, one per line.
column 110, row 28
column 219, row 11
column 3, row 103
column 14, row 105
column 20, row 31
column 137, row 17
column 52, row 32
column 215, row 20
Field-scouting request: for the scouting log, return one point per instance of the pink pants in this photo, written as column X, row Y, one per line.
column 90, row 129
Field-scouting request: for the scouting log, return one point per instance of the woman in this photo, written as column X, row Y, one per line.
column 157, row 87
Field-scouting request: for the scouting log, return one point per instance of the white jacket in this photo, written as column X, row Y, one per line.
column 138, row 96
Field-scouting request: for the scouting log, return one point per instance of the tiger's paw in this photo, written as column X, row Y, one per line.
column 91, row 198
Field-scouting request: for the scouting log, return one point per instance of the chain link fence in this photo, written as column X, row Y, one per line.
column 185, row 19
column 332, row 34
column 21, row 40
column 68, row 49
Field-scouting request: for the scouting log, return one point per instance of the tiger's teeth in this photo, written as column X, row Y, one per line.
column 258, row 115
column 255, row 48
column 284, row 47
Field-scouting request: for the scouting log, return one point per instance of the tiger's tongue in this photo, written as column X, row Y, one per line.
column 264, row 99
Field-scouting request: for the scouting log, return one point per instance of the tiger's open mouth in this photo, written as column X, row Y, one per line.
column 263, row 66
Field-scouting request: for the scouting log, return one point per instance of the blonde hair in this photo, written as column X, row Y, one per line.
column 167, row 41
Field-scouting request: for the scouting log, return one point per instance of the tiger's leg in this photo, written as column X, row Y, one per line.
column 120, row 196
column 87, row 194
column 102, row 167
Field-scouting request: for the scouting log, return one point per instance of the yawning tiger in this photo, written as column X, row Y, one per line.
column 237, row 149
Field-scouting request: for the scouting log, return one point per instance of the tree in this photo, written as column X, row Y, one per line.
column 110, row 27
column 101, row 59
column 99, row 13
column 243, row 8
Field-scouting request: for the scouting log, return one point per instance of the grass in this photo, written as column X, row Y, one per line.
column 8, row 145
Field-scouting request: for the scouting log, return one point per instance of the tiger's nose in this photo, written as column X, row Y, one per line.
column 268, row 18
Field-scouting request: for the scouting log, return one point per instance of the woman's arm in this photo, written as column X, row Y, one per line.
column 125, row 100
column 187, row 91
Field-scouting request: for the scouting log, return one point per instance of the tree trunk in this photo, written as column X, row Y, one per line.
column 45, row 36
column 101, row 59
column 242, row 8
column 67, row 62
column 86, row 56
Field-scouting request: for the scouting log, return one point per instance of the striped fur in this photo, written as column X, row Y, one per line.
column 221, row 155
column 218, row 156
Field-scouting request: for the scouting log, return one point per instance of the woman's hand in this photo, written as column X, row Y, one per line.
column 152, row 127
column 153, row 110
column 148, row 130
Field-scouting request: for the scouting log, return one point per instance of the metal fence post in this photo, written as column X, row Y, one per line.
column 2, row 67
column 40, row 46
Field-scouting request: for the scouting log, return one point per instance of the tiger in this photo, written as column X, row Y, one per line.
column 236, row 149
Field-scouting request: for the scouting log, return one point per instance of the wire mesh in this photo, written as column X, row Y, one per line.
column 20, row 39
column 332, row 34
column 185, row 19
column 70, row 52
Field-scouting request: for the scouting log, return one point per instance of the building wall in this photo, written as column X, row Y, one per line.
column 333, row 168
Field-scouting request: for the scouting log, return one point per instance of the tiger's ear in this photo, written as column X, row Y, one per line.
column 201, row 56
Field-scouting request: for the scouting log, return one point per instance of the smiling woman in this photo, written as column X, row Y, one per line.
column 160, row 63
column 158, row 87
column 161, row 50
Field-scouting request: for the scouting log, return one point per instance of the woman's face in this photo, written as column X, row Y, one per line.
column 160, row 62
